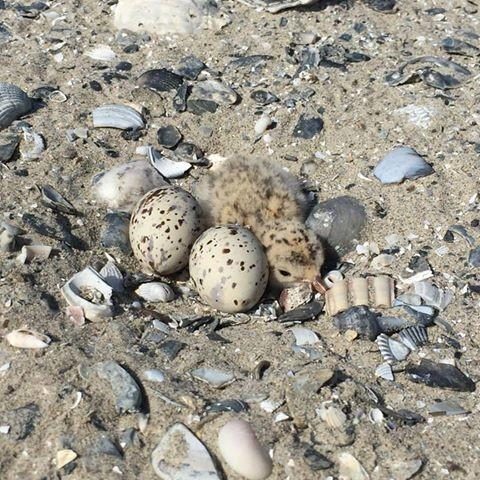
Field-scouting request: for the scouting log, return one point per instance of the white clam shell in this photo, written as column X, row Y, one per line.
column 166, row 167
column 121, row 187
column 64, row 457
column 213, row 376
column 14, row 103
column 102, row 53
column 89, row 282
column 414, row 337
column 181, row 455
column 432, row 295
column 154, row 375
column 332, row 416
column 24, row 338
column 350, row 468
column 122, row 117
column 384, row 371
column 304, row 336
column 29, row 253
column 242, row 451
column 113, row 276
column 392, row 350
column 155, row 292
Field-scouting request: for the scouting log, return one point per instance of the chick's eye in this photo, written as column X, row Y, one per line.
column 284, row 273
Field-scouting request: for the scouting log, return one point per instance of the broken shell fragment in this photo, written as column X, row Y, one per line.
column 414, row 337
column 350, row 468
column 432, row 295
column 392, row 350
column 215, row 91
column 128, row 396
column 64, row 457
column 14, row 103
column 166, row 167
column 122, row 117
column 332, row 415
column 181, row 455
column 87, row 289
column 52, row 199
column 113, row 276
column 384, row 371
column 242, row 451
column 213, row 376
column 304, row 336
column 155, row 292
column 25, row 338
column 32, row 253
column 360, row 319
column 372, row 291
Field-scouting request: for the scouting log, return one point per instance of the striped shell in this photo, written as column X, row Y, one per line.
column 122, row 117
column 14, row 103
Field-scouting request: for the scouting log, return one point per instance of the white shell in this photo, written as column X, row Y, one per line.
column 33, row 146
column 14, row 103
column 181, row 455
column 29, row 253
column 332, row 416
column 304, row 336
column 89, row 282
column 432, row 295
column 24, row 338
column 213, row 376
column 391, row 350
column 122, row 187
column 163, row 227
column 122, row 117
column 414, row 337
column 350, row 468
column 262, row 124
column 102, row 53
column 64, row 457
column 113, row 276
column 167, row 16
column 155, row 292
column 229, row 268
column 154, row 375
column 242, row 451
column 384, row 371
column 166, row 167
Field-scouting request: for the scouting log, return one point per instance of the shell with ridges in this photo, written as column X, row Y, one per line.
column 122, row 117
column 14, row 103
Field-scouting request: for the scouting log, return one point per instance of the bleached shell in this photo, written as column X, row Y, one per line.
column 24, row 338
column 350, row 468
column 400, row 164
column 166, row 167
column 121, row 187
column 113, row 276
column 332, row 277
column 432, row 295
column 154, row 375
column 181, row 455
column 242, row 451
column 262, row 124
column 29, row 253
column 89, row 281
column 392, row 350
column 384, row 371
column 167, row 16
column 33, row 145
column 214, row 90
column 64, row 457
column 122, row 117
column 304, row 336
column 155, row 292
column 332, row 416
column 414, row 337
column 213, row 376
column 102, row 53
column 14, row 103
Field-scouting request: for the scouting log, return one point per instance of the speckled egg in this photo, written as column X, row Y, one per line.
column 163, row 227
column 229, row 268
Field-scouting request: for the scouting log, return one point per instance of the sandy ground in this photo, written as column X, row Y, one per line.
column 361, row 125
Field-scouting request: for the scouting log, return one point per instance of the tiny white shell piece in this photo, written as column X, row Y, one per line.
column 166, row 167
column 155, row 292
column 376, row 415
column 350, row 468
column 214, row 377
column 102, row 53
column 242, row 451
column 381, row 261
column 384, row 371
column 304, row 336
column 113, row 276
column 262, row 124
column 64, row 457
column 122, row 117
column 154, row 375
column 29, row 253
column 392, row 350
column 89, row 282
column 24, row 338
column 181, row 455
column 34, row 144
column 332, row 416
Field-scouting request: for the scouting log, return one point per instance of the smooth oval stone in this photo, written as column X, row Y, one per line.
column 242, row 451
column 440, row 375
column 400, row 164
column 338, row 221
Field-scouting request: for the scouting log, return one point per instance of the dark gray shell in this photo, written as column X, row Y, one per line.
column 14, row 103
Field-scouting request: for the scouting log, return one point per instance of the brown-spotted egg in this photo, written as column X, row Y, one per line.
column 163, row 227
column 229, row 268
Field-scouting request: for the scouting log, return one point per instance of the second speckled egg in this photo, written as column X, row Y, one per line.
column 163, row 227
column 229, row 268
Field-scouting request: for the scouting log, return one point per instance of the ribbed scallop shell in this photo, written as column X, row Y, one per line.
column 14, row 103
column 122, row 117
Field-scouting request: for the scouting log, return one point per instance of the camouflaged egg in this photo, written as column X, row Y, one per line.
column 229, row 268
column 163, row 227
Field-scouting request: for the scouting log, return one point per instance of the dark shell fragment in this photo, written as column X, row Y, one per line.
column 115, row 231
column 307, row 127
column 440, row 375
column 160, row 80
column 169, row 136
column 300, row 314
column 361, row 319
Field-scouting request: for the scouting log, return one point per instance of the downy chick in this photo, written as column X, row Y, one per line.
column 269, row 201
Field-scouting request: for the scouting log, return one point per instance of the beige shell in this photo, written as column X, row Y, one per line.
column 372, row 291
column 164, row 225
